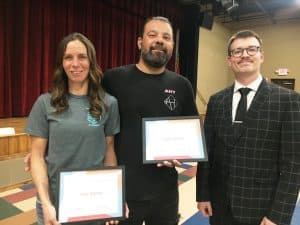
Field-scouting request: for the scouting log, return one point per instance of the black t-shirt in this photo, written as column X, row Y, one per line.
column 146, row 95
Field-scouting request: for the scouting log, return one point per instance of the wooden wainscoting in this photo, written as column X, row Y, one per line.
column 17, row 145
column 13, row 148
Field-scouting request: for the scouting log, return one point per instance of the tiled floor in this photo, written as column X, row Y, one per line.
column 17, row 206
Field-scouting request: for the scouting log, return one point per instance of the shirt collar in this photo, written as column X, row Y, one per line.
column 253, row 86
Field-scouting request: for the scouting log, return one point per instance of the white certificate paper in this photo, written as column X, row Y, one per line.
column 91, row 195
column 169, row 138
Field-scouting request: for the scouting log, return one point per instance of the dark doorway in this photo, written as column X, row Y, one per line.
column 287, row 83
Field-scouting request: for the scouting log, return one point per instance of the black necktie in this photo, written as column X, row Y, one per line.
column 242, row 107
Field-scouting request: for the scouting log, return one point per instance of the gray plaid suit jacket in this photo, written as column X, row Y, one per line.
column 255, row 166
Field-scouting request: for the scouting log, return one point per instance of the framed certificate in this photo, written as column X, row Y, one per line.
column 86, row 195
column 169, row 138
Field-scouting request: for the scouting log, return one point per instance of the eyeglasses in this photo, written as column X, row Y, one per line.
column 251, row 51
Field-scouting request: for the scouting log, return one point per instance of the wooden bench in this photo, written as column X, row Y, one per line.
column 16, row 122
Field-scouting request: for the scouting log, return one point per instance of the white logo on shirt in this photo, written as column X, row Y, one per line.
column 170, row 102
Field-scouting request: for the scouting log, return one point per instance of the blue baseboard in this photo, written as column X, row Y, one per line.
column 196, row 219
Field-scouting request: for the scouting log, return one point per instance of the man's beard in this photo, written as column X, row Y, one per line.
column 157, row 59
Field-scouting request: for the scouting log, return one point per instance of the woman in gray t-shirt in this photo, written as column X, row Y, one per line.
column 74, row 125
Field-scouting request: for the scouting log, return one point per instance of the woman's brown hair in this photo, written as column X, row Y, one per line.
column 60, row 88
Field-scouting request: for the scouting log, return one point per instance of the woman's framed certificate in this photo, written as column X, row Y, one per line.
column 86, row 195
column 170, row 138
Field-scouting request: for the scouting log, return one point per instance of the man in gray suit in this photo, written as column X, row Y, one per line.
column 253, row 138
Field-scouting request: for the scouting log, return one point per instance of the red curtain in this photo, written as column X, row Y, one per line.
column 30, row 31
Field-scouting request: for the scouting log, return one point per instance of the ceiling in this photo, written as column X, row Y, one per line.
column 249, row 12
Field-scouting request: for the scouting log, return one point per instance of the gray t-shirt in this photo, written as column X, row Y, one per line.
column 76, row 140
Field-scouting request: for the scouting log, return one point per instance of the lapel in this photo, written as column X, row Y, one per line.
column 238, row 130
column 228, row 105
column 230, row 129
column 258, row 102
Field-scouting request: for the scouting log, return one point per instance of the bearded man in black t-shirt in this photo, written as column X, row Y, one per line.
column 148, row 89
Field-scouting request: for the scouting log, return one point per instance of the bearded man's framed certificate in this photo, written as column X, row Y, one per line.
column 173, row 138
